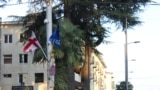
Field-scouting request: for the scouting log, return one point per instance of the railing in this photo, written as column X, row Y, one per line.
column 22, row 87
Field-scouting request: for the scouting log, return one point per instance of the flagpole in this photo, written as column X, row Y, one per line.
column 43, row 52
column 50, row 83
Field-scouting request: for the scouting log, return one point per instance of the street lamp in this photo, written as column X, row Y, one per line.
column 134, row 42
column 126, row 55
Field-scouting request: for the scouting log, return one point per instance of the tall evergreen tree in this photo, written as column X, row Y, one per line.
column 90, row 14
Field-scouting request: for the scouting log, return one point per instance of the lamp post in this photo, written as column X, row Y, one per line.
column 126, row 55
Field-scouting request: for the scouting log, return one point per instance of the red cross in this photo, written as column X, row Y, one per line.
column 31, row 41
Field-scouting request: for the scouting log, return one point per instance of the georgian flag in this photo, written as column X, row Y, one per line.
column 32, row 44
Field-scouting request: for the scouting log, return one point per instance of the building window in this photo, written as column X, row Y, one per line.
column 7, row 59
column 7, row 75
column 39, row 77
column 20, row 78
column 21, row 37
column 8, row 38
column 23, row 58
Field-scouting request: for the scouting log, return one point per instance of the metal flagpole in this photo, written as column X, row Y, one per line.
column 50, row 82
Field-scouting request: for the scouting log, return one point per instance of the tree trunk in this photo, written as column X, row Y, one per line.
column 85, row 69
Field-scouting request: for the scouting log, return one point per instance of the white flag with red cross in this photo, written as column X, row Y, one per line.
column 32, row 44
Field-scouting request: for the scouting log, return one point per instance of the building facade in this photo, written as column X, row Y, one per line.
column 16, row 68
column 109, row 81
column 99, row 78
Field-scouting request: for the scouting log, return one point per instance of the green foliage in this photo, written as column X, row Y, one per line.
column 122, row 86
column 68, row 54
column 71, row 39
column 90, row 14
column 61, row 82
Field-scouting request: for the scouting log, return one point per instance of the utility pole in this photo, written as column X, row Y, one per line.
column 50, row 60
column 0, row 51
column 126, row 56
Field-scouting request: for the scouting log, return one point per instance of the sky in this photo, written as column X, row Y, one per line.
column 143, row 73
column 13, row 9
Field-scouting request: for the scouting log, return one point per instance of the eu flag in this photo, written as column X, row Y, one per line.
column 55, row 38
